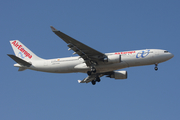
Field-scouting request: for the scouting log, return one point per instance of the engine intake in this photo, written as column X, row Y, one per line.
column 113, row 59
column 118, row 75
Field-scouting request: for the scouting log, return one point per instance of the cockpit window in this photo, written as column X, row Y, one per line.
column 165, row 51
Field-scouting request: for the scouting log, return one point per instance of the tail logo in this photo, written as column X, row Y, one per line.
column 23, row 51
column 20, row 54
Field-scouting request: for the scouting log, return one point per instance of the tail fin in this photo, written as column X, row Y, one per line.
column 22, row 51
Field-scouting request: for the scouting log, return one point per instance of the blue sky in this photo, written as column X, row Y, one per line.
column 107, row 26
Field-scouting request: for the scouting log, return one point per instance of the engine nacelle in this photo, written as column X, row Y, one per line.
column 119, row 75
column 113, row 59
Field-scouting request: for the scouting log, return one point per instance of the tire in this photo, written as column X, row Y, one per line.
column 89, row 73
column 93, row 82
column 98, row 79
column 156, row 68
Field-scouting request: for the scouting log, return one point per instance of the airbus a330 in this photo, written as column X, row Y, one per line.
column 90, row 61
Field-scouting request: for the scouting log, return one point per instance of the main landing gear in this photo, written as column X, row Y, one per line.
column 93, row 70
column 93, row 82
column 156, row 68
column 96, row 80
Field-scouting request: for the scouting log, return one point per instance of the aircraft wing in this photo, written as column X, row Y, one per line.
column 90, row 78
column 87, row 53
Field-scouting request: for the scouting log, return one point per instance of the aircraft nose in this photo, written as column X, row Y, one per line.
column 168, row 55
column 171, row 55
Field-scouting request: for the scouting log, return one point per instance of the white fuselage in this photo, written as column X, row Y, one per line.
column 77, row 64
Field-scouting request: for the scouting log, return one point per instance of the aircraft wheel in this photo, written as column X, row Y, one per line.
column 89, row 73
column 98, row 79
column 156, row 68
column 93, row 82
column 93, row 69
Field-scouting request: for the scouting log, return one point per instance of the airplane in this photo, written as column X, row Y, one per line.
column 90, row 61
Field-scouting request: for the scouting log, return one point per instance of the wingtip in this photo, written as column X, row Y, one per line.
column 53, row 29
column 10, row 55
column 79, row 81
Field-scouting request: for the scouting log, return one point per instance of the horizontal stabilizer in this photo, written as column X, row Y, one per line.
column 22, row 69
column 19, row 60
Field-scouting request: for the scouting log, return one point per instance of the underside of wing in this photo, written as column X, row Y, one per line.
column 87, row 79
column 87, row 53
column 96, row 77
column 90, row 78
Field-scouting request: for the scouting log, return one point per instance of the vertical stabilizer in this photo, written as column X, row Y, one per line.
column 22, row 51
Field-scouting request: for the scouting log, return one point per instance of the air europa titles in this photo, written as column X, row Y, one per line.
column 20, row 47
column 130, row 52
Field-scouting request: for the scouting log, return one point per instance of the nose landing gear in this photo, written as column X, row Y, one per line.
column 156, row 68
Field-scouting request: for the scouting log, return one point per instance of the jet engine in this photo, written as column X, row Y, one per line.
column 113, row 59
column 118, row 75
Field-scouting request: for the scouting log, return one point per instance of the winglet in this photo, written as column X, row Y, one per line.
column 53, row 29
column 79, row 81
